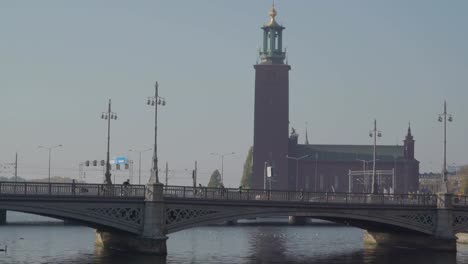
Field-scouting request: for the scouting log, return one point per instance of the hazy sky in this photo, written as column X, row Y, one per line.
column 352, row 61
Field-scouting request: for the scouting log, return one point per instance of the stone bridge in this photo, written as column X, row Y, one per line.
column 138, row 217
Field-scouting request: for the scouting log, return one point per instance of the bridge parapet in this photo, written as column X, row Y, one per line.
column 71, row 190
column 230, row 194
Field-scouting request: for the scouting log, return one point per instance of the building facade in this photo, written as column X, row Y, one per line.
column 321, row 168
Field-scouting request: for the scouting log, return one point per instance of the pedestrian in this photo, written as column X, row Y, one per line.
column 73, row 186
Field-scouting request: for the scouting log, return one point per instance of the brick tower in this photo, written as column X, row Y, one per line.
column 271, row 117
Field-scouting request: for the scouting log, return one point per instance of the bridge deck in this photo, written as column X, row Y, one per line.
column 35, row 190
column 71, row 190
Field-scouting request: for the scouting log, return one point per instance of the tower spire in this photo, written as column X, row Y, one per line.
column 272, row 50
column 409, row 135
column 306, row 136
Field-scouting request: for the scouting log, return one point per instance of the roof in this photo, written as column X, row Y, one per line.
column 349, row 152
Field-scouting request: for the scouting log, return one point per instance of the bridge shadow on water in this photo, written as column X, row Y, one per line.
column 267, row 245
column 274, row 244
column 274, row 249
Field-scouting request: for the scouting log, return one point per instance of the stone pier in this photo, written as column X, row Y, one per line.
column 3, row 217
column 297, row 220
column 443, row 238
column 153, row 238
column 409, row 241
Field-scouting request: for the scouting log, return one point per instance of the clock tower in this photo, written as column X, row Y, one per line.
column 271, row 117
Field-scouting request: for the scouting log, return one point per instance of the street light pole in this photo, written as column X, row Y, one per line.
column 50, row 154
column 315, row 179
column 108, row 116
column 155, row 101
column 297, row 168
column 375, row 133
column 139, row 161
column 444, row 117
column 222, row 162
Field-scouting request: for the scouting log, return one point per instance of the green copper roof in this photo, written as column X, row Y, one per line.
column 349, row 152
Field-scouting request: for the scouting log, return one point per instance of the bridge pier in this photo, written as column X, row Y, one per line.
column 153, row 238
column 297, row 220
column 443, row 237
column 3, row 217
column 410, row 241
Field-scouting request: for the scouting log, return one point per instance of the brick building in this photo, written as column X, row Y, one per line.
column 321, row 168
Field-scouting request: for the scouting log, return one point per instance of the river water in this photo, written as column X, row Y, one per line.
column 55, row 243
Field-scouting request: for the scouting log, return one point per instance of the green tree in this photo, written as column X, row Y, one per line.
column 463, row 174
column 215, row 179
column 247, row 173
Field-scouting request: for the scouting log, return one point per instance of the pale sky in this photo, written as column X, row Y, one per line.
column 352, row 61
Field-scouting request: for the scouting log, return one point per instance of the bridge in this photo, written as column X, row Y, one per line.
column 138, row 218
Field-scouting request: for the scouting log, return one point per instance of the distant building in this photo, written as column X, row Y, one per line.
column 321, row 168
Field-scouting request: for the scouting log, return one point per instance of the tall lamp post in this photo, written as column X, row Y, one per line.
column 50, row 153
column 155, row 101
column 444, row 117
column 297, row 168
column 108, row 116
column 139, row 161
column 374, row 134
column 222, row 162
column 316, row 167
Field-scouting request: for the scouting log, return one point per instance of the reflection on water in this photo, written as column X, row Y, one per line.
column 215, row 244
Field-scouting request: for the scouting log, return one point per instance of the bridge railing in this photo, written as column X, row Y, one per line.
column 459, row 200
column 300, row 196
column 72, row 190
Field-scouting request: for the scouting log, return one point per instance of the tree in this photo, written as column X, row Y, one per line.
column 215, row 179
column 463, row 174
column 247, row 173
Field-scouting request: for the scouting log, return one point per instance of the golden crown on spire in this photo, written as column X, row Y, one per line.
column 272, row 14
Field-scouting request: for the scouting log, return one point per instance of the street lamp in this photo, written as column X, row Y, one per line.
column 315, row 177
column 108, row 116
column 297, row 167
column 375, row 133
column 444, row 117
column 155, row 101
column 139, row 162
column 222, row 162
column 50, row 151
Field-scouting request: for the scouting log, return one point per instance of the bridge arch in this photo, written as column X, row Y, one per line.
column 122, row 216
column 421, row 222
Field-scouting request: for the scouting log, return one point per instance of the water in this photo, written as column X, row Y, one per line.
column 55, row 243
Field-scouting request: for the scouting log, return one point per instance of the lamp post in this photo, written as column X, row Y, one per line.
column 155, row 101
column 50, row 153
column 374, row 134
column 139, row 161
column 297, row 168
column 108, row 116
column 222, row 162
column 316, row 166
column 444, row 117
